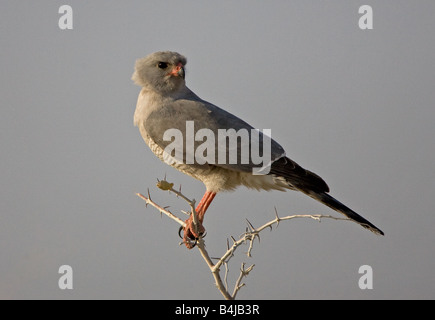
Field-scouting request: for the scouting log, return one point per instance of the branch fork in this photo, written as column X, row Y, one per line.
column 248, row 237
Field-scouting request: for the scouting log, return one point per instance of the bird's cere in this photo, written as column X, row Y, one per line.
column 226, row 146
column 178, row 70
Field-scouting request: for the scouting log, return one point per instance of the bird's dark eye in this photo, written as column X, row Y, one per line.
column 162, row 65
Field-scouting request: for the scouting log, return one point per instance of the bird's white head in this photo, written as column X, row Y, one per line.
column 161, row 71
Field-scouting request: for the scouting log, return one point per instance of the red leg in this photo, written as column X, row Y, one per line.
column 189, row 230
column 203, row 205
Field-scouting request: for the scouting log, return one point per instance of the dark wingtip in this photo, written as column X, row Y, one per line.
column 375, row 230
column 339, row 207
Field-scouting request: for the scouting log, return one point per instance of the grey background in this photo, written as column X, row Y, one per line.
column 356, row 107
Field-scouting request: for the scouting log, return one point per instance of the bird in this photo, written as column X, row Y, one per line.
column 165, row 103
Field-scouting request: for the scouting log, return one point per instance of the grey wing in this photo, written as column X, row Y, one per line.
column 199, row 134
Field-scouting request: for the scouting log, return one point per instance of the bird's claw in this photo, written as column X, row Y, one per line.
column 190, row 236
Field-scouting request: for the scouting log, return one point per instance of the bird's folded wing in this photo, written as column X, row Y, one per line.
column 209, row 146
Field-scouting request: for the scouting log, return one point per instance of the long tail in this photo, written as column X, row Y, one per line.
column 339, row 207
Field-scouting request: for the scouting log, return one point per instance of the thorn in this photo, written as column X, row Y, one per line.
column 234, row 240
column 228, row 244
column 276, row 213
column 140, row 195
column 149, row 196
column 250, row 225
column 278, row 219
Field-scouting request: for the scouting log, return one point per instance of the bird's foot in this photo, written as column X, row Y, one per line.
column 192, row 233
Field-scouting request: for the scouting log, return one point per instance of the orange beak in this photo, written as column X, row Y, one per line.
column 178, row 71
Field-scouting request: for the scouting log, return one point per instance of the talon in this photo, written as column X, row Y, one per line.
column 191, row 245
column 190, row 234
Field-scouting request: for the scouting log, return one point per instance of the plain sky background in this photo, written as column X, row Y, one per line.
column 355, row 106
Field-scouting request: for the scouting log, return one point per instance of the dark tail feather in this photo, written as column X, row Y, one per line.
column 339, row 207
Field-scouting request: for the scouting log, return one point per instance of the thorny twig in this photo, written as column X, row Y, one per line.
column 247, row 237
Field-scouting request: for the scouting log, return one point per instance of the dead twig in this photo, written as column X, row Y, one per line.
column 248, row 237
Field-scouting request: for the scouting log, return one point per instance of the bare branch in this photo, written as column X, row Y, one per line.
column 162, row 210
column 243, row 273
column 248, row 237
